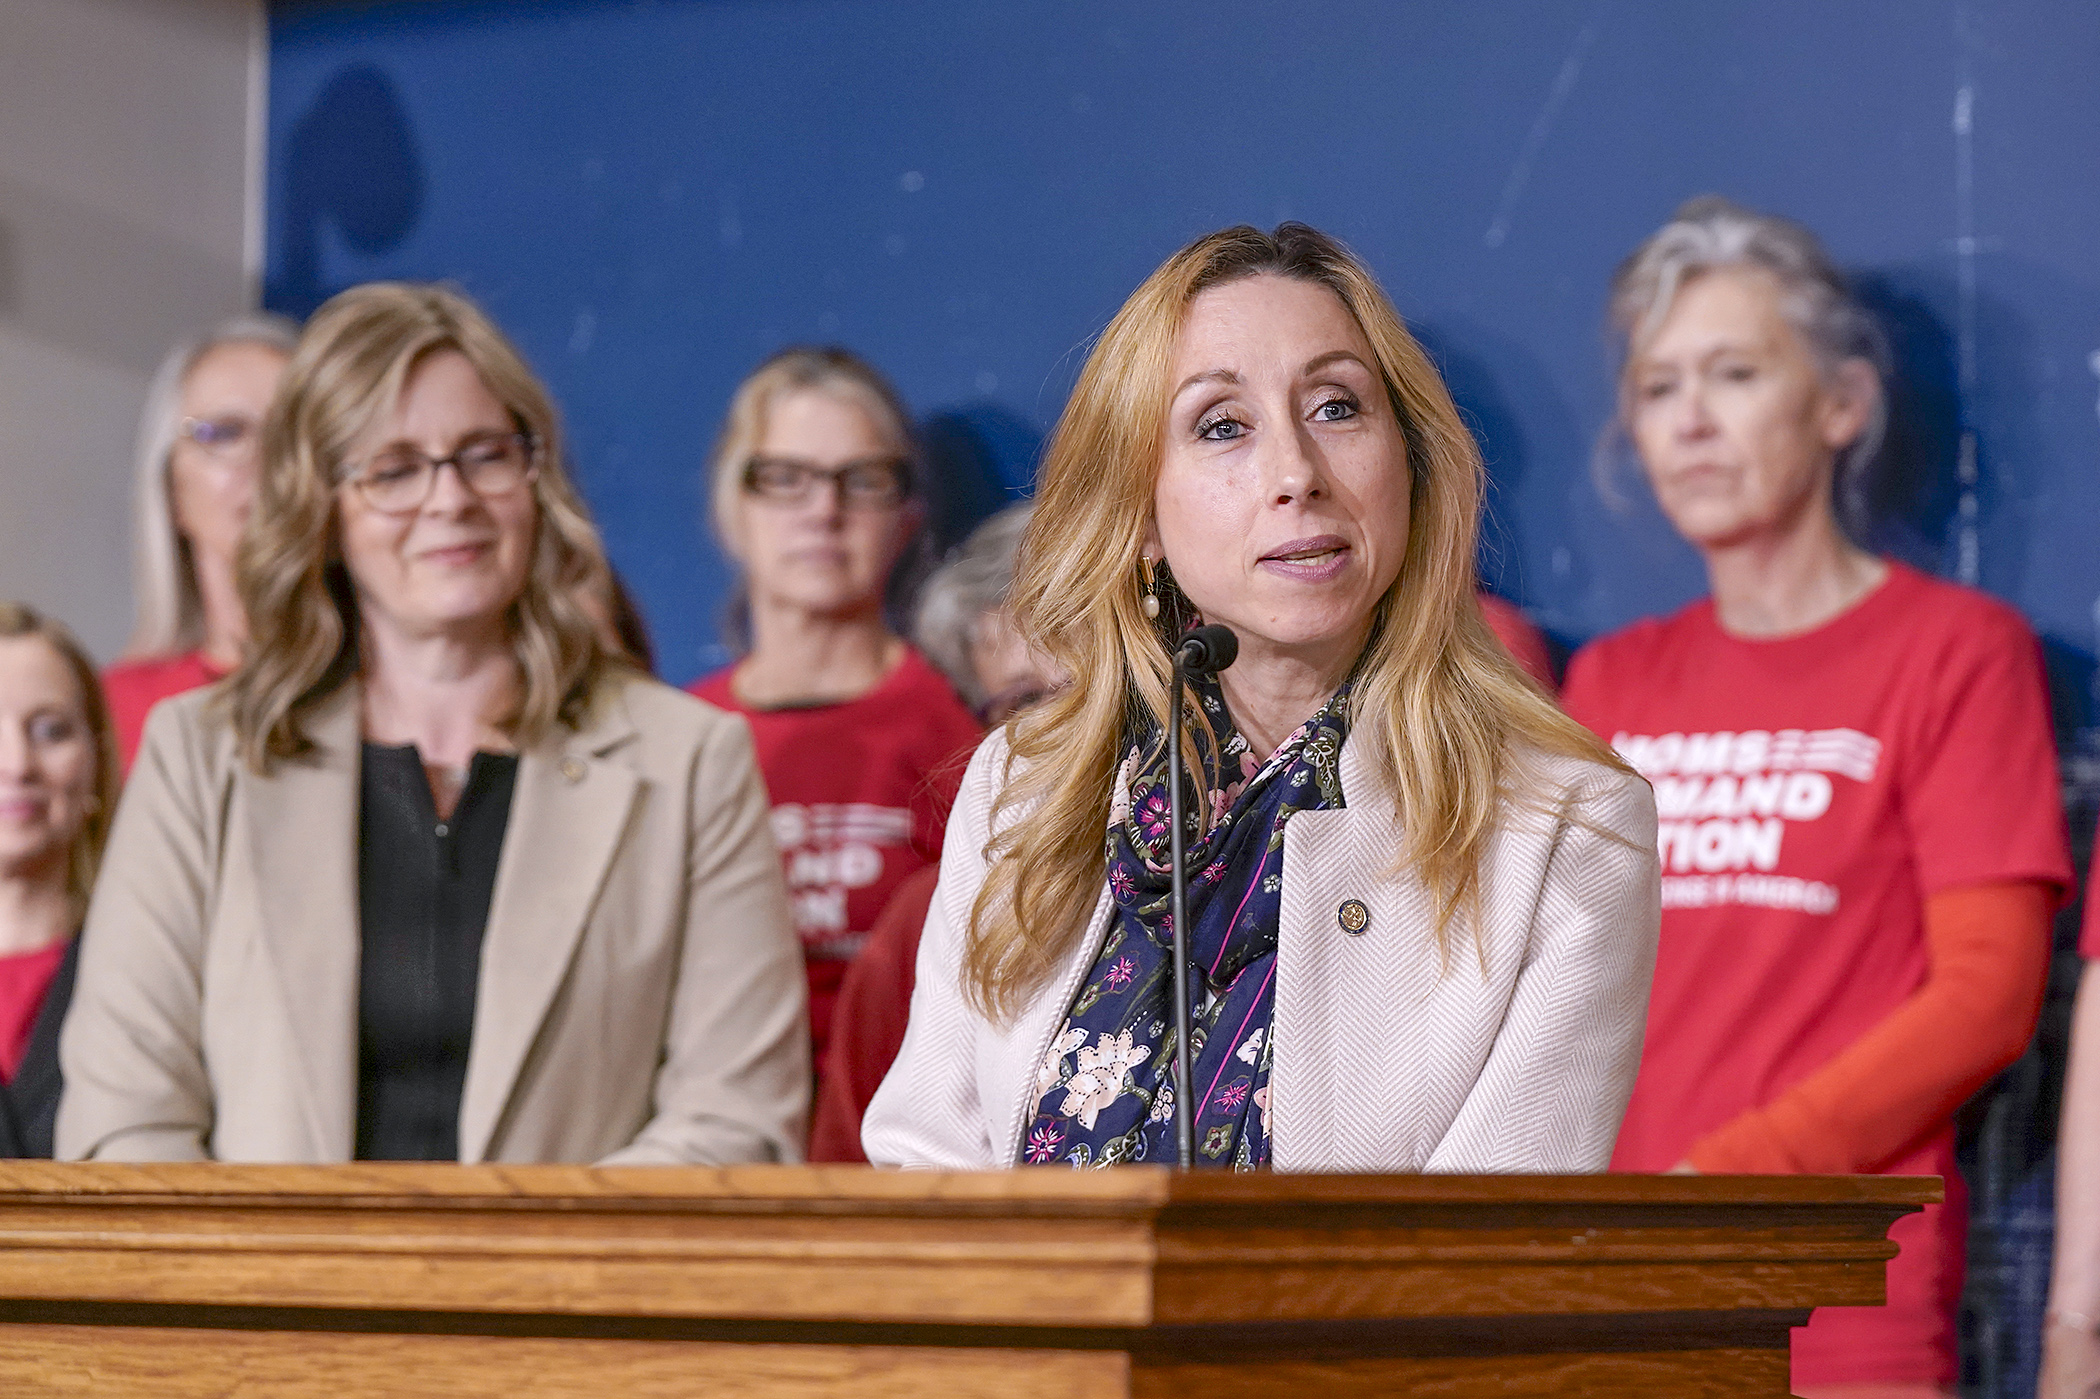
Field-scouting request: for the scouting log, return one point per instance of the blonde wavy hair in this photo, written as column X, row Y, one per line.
column 84, row 859
column 352, row 361
column 1438, row 702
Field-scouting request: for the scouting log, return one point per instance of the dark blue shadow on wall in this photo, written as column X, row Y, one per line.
column 1907, row 501
column 982, row 458
column 1488, row 376
column 350, row 163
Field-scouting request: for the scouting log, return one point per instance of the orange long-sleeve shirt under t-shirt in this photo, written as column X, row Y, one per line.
column 1988, row 945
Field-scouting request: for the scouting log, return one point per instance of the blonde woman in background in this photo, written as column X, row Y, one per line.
column 1422, row 901
column 199, row 435
column 58, row 788
column 432, row 875
column 819, row 494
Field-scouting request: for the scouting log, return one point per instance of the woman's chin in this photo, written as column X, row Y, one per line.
column 1315, row 639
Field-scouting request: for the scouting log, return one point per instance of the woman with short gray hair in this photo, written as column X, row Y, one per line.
column 1859, row 829
column 965, row 629
column 195, row 475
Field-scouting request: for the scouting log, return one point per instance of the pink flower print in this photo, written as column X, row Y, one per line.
column 1051, row 1072
column 1261, row 1101
column 1098, row 1081
column 1212, row 872
column 1119, row 975
column 1233, row 1094
column 1120, row 882
column 1153, row 816
column 1043, row 1143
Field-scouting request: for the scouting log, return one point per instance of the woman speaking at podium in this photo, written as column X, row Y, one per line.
column 1422, row 904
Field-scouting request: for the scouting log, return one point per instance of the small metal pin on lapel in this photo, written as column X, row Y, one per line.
column 572, row 769
column 1353, row 916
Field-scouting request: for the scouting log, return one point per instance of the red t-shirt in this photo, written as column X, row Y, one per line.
column 1521, row 639
column 1813, row 791
column 25, row 979
column 861, row 792
column 134, row 687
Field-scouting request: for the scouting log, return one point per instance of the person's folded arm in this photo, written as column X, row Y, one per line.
column 1988, row 953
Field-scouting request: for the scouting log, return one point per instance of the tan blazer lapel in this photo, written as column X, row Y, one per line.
column 567, row 812
column 302, row 833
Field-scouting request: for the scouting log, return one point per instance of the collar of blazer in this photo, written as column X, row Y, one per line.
column 568, row 810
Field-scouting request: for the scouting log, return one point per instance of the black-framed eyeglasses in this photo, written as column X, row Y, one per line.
column 398, row 480
column 221, row 435
column 870, row 483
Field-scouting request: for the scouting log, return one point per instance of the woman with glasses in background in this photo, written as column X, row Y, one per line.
column 818, row 494
column 434, row 875
column 196, row 475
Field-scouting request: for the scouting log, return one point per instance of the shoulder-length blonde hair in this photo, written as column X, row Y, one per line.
column 85, row 858
column 1438, row 702
column 828, row 369
column 169, row 611
column 351, row 364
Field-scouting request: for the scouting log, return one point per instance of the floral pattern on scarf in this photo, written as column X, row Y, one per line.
column 1104, row 1092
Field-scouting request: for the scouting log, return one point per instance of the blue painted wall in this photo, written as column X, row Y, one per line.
column 653, row 196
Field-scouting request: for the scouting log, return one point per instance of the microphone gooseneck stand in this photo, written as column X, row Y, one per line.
column 1202, row 651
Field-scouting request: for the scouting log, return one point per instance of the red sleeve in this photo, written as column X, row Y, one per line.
column 867, row 1028
column 1980, row 790
column 1524, row 642
column 1989, row 950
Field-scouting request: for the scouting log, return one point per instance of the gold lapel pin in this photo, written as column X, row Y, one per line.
column 572, row 768
column 1353, row 916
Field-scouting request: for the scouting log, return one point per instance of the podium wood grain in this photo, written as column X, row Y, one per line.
column 187, row 1281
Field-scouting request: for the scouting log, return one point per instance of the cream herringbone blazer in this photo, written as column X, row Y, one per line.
column 641, row 995
column 1514, row 1053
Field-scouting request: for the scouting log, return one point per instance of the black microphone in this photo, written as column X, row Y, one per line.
column 1201, row 651
column 1207, row 650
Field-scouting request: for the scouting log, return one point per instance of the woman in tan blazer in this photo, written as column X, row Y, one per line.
column 1422, row 903
column 432, row 875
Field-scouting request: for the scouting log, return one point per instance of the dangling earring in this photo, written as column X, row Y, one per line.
column 1150, row 604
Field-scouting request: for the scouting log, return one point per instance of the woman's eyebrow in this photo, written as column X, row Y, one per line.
column 1209, row 376
column 1320, row 362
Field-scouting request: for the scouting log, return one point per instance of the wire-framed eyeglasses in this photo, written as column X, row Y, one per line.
column 399, row 480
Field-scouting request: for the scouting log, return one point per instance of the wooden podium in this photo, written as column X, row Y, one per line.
column 421, row 1282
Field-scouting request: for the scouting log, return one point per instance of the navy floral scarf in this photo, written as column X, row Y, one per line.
column 1105, row 1090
